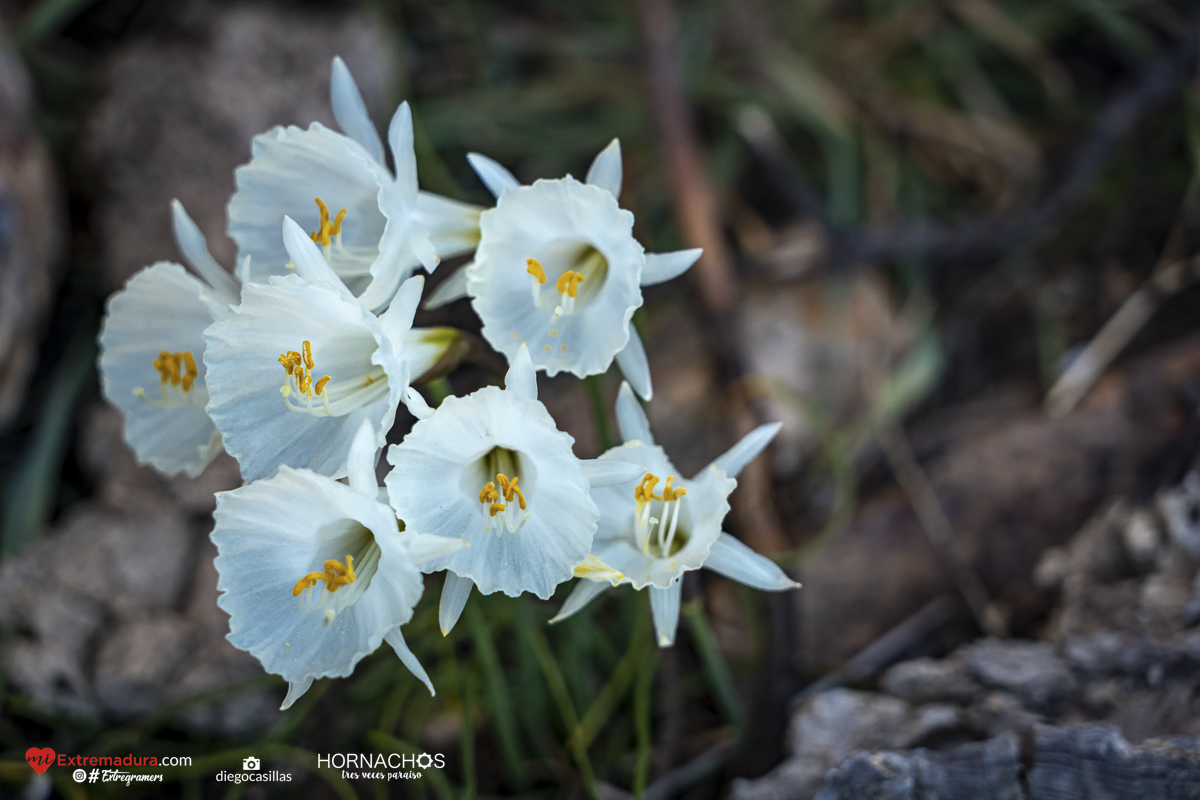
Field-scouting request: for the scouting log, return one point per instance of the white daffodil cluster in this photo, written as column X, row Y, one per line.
column 297, row 362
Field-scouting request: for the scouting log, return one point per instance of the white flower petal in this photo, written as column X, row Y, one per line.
column 634, row 365
column 521, row 379
column 424, row 548
column 455, row 592
column 160, row 308
column 423, row 348
column 296, row 690
column 272, row 533
column 245, row 376
column 631, row 418
column 360, row 465
column 495, row 177
column 444, row 462
column 453, row 226
column 605, row 171
column 396, row 639
column 397, row 320
column 735, row 459
column 735, row 560
column 426, row 254
column 662, row 267
column 664, row 607
column 416, row 404
column 701, row 512
column 289, row 168
column 610, row 472
column 585, row 591
column 449, row 290
column 306, row 256
column 351, row 112
column 567, row 227
column 195, row 252
column 400, row 139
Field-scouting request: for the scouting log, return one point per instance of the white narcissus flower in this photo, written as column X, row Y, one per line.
column 297, row 367
column 151, row 353
column 666, row 526
column 557, row 269
column 375, row 228
column 492, row 469
column 315, row 574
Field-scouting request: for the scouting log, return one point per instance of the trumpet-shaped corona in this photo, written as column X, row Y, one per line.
column 386, row 228
column 360, row 568
column 586, row 271
column 653, row 537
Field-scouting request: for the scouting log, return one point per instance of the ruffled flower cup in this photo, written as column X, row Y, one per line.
column 492, row 469
column 666, row 525
column 558, row 270
column 297, row 367
column 315, row 574
column 375, row 228
column 152, row 349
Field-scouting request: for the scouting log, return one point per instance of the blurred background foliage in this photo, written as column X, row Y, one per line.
column 918, row 141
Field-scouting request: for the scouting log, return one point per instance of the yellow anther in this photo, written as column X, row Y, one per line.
column 534, row 268
column 644, row 492
column 496, row 508
column 299, row 367
column 488, row 493
column 327, row 227
column 510, row 488
column 569, row 282
column 670, row 492
column 178, row 368
column 336, row 575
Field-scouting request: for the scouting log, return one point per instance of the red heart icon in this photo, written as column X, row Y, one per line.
column 40, row 759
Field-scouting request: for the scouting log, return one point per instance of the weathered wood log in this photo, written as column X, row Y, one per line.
column 1073, row 763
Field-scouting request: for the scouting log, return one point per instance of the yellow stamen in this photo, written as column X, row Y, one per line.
column 327, row 228
column 534, row 268
column 510, row 488
column 178, row 369
column 496, row 508
column 644, row 491
column 670, row 492
column 488, row 493
column 299, row 367
column 336, row 575
column 569, row 282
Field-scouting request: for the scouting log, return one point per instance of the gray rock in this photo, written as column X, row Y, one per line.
column 834, row 724
column 1030, row 670
column 927, row 680
column 984, row 771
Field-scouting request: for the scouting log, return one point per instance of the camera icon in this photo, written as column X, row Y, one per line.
column 250, row 764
